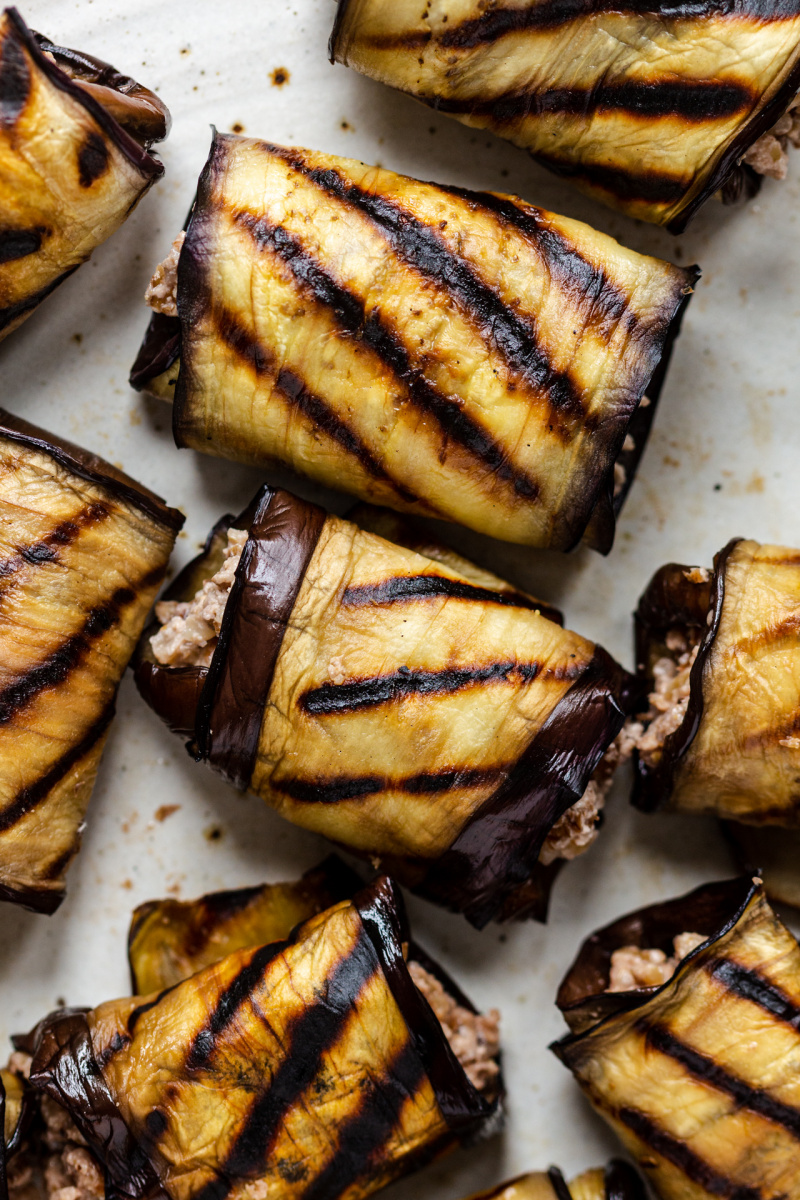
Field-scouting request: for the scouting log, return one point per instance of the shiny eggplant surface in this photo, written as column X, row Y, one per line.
column 454, row 354
column 700, row 1076
column 647, row 107
column 169, row 940
column 312, row 1067
column 381, row 698
column 736, row 751
column 84, row 550
column 74, row 161
column 617, row 1181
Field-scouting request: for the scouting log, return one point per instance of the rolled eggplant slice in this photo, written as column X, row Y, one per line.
column 698, row 1074
column 311, row 1067
column 617, row 1181
column 385, row 700
column 447, row 353
column 649, row 109
column 169, row 940
column 74, row 161
column 721, row 649
column 83, row 550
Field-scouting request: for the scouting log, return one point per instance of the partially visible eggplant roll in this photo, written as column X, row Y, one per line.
column 771, row 852
column 720, row 652
column 75, row 137
column 453, row 354
column 374, row 695
column 169, row 940
column 313, row 1067
column 83, row 550
column 686, row 1020
column 617, row 1181
column 648, row 108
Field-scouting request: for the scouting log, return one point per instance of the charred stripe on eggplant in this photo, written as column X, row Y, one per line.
column 15, row 82
column 332, row 791
column 750, row 985
column 373, row 330
column 559, row 1184
column 421, row 248
column 47, row 548
column 406, row 588
column 93, row 159
column 19, row 243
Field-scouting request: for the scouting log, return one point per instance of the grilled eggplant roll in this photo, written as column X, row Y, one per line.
column 686, row 1020
column 719, row 650
column 617, row 1181
column 74, row 161
column 84, row 550
column 169, row 940
column 649, row 108
column 453, row 354
column 387, row 701
column 313, row 1067
column 776, row 852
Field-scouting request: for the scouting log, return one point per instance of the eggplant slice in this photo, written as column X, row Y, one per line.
column 169, row 940
column 75, row 138
column 386, row 701
column 453, row 354
column 734, row 746
column 84, row 550
column 617, row 1181
column 648, row 108
column 698, row 1076
column 312, row 1067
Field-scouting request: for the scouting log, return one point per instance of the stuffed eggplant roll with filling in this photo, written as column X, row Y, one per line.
column 686, row 1039
column 649, row 108
column 719, row 650
column 83, row 550
column 75, row 138
column 169, row 940
column 454, row 354
column 323, row 1066
column 617, row 1181
column 448, row 729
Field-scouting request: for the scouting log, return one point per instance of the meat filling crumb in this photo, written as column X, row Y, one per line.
column 162, row 291
column 190, row 628
column 667, row 702
column 474, row 1037
column 768, row 156
column 634, row 968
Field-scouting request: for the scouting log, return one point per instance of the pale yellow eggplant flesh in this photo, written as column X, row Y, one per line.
column 617, row 1181
column 649, row 109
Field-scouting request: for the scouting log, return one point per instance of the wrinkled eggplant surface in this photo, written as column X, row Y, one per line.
column 699, row 1077
column 308, row 1068
column 381, row 698
column 617, row 1181
column 453, row 354
column 74, row 161
column 648, row 108
column 736, row 754
column 84, row 550
column 169, row 940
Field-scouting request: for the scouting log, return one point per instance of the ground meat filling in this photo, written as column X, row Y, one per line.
column 162, row 291
column 474, row 1037
column 633, row 968
column 190, row 628
column 769, row 155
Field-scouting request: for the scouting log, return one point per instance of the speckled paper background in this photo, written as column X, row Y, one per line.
column 723, row 460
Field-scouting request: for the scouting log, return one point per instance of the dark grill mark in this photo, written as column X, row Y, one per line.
column 311, row 1035
column 47, row 548
column 93, row 159
column 384, row 689
column 19, row 243
column 33, row 794
column 789, row 627
column 15, row 82
column 749, row 985
column 424, row 251
column 690, row 100
column 680, row 1155
column 365, row 1134
column 404, row 588
column 118, row 1042
column 559, row 1184
column 707, row 1071
column 373, row 331
column 314, row 407
column 237, row 993
column 332, row 791
column 649, row 187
